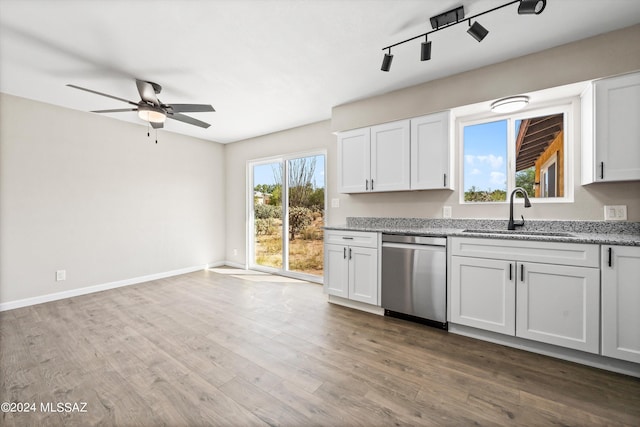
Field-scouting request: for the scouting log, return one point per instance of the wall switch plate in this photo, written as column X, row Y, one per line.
column 615, row 213
column 61, row 275
column 446, row 212
column 335, row 203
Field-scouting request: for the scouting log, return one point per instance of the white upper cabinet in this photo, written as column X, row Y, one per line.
column 390, row 168
column 354, row 161
column 374, row 159
column 430, row 152
column 611, row 130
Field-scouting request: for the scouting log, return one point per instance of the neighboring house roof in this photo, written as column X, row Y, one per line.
column 534, row 136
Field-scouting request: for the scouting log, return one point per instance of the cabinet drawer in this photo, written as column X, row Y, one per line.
column 352, row 238
column 577, row 254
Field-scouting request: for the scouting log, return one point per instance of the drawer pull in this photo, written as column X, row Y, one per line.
column 347, row 238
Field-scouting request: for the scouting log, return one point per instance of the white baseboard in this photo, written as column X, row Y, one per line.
column 595, row 360
column 234, row 265
column 373, row 309
column 98, row 288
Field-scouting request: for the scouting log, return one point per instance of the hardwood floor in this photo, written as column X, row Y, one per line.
column 219, row 349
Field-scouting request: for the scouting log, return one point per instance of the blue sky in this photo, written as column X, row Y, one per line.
column 485, row 156
column 263, row 174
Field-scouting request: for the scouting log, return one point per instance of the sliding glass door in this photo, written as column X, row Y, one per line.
column 287, row 215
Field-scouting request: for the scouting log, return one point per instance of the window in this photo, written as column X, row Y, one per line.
column 527, row 150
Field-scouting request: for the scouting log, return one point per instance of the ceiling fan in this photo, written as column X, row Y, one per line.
column 152, row 110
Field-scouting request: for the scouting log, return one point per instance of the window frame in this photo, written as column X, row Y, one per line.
column 566, row 106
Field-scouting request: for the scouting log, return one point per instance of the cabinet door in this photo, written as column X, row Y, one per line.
column 430, row 152
column 354, row 167
column 483, row 294
column 336, row 274
column 617, row 128
column 390, row 157
column 621, row 302
column 363, row 274
column 559, row 305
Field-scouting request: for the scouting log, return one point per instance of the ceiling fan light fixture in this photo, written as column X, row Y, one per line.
column 531, row 7
column 151, row 115
column 510, row 104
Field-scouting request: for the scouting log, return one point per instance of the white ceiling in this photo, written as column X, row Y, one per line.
column 265, row 65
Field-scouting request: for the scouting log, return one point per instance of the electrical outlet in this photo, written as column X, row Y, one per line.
column 335, row 203
column 446, row 212
column 61, row 275
column 235, row 252
column 615, row 213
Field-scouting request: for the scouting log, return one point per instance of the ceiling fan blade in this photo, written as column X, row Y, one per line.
column 156, row 125
column 190, row 108
column 147, row 92
column 187, row 119
column 117, row 110
column 103, row 94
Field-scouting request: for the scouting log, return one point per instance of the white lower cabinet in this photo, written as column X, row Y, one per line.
column 494, row 287
column 351, row 265
column 482, row 294
column 621, row 302
column 559, row 304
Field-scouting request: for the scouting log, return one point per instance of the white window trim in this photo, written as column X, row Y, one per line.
column 567, row 106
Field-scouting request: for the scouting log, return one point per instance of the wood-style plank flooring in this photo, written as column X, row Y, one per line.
column 218, row 349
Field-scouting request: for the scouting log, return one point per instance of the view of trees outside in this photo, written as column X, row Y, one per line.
column 305, row 183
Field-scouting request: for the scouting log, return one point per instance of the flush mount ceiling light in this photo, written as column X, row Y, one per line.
column 456, row 16
column 510, row 104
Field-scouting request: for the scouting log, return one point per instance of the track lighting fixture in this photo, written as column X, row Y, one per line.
column 455, row 17
column 528, row 7
column 386, row 61
column 425, row 52
column 477, row 31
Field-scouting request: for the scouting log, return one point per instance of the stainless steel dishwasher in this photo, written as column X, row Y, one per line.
column 414, row 278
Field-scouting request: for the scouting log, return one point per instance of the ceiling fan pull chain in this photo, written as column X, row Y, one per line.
column 148, row 134
column 156, row 136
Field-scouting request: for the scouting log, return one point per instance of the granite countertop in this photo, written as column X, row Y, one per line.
column 595, row 232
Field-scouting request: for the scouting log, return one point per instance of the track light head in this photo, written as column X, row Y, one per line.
column 425, row 52
column 529, row 7
column 477, row 31
column 386, row 61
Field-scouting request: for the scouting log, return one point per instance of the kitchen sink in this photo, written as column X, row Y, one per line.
column 522, row 233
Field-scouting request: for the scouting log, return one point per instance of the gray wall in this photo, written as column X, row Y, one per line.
column 96, row 197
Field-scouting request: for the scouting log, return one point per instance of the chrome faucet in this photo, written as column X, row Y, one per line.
column 527, row 204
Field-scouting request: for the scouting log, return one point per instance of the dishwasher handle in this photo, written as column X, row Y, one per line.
column 414, row 247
